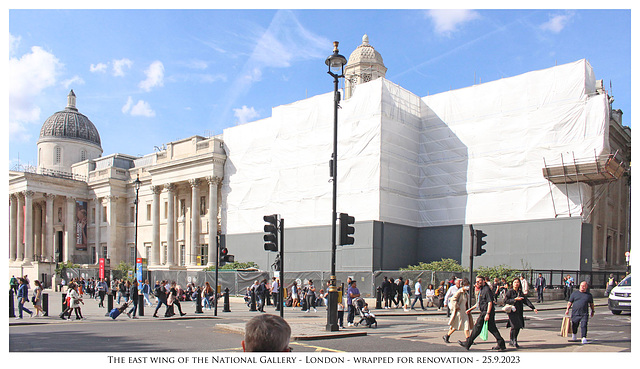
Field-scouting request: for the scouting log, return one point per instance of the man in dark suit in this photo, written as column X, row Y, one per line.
column 541, row 285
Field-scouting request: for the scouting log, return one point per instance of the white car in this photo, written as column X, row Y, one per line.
column 620, row 296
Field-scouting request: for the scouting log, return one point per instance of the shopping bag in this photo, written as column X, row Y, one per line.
column 484, row 333
column 565, row 329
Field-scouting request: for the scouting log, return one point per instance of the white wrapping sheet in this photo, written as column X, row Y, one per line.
column 473, row 155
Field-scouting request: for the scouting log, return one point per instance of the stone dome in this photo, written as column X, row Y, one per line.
column 365, row 53
column 70, row 124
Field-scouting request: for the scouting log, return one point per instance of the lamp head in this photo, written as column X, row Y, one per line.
column 336, row 62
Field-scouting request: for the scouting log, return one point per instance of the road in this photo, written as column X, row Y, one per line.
column 416, row 333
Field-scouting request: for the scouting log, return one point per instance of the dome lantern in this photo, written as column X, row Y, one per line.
column 365, row 64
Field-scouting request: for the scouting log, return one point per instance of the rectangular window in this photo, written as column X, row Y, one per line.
column 182, row 207
column 93, row 215
column 132, row 214
column 104, row 214
column 132, row 254
column 166, row 209
column 203, row 254
column 93, row 255
column 165, row 252
column 147, row 250
column 148, row 212
column 104, row 251
column 182, row 255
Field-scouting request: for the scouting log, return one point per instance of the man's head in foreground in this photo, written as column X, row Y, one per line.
column 266, row 333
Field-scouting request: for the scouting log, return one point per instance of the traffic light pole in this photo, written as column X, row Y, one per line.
column 281, row 286
column 471, row 252
column 215, row 308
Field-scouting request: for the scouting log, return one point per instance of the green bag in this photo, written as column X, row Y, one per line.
column 484, row 333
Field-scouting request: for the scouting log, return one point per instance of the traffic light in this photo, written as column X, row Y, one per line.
column 480, row 242
column 346, row 229
column 224, row 256
column 271, row 232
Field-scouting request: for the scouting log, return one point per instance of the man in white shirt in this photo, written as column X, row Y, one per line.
column 274, row 293
column 418, row 292
column 450, row 292
column 524, row 284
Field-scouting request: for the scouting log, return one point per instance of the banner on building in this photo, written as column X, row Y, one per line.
column 81, row 225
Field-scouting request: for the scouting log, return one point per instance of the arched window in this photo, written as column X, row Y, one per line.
column 58, row 155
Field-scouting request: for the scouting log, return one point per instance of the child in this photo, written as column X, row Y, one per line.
column 340, row 315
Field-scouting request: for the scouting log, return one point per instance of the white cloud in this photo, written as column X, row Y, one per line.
column 285, row 42
column 140, row 109
column 29, row 75
column 557, row 22
column 446, row 21
column 245, row 114
column 119, row 65
column 155, row 76
column 14, row 42
column 75, row 80
column 98, row 68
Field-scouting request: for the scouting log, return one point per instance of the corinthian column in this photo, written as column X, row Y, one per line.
column 28, row 226
column 70, row 229
column 97, row 214
column 48, row 239
column 13, row 231
column 20, row 228
column 171, row 222
column 195, row 219
column 213, row 219
column 155, row 225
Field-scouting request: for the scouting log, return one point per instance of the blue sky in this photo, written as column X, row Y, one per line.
column 148, row 77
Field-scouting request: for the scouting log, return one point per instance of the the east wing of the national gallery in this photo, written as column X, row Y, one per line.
column 525, row 159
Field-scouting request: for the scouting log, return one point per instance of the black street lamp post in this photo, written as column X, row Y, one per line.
column 136, row 184
column 336, row 63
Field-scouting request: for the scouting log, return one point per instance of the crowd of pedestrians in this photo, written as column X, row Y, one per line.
column 453, row 295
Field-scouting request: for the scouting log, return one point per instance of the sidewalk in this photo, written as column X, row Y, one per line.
column 304, row 326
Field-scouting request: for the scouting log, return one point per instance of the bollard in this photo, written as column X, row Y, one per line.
column 12, row 313
column 226, row 308
column 45, row 303
column 379, row 298
column 109, row 303
column 199, row 302
column 253, row 301
column 140, row 305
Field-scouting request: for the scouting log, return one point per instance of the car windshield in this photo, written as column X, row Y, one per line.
column 626, row 282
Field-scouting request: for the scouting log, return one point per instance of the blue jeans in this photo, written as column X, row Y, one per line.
column 21, row 307
column 418, row 297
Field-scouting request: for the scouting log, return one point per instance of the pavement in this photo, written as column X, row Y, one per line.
column 304, row 325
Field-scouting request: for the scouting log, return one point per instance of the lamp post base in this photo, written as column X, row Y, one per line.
column 332, row 310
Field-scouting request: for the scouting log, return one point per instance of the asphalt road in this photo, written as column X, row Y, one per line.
column 607, row 333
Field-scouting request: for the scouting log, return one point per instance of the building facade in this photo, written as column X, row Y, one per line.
column 416, row 172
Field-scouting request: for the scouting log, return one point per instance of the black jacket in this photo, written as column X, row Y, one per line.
column 516, row 318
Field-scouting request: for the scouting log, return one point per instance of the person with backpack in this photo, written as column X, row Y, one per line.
column 161, row 294
column 23, row 296
column 102, row 288
column 440, row 293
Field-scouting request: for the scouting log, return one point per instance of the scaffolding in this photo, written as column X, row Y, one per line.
column 600, row 169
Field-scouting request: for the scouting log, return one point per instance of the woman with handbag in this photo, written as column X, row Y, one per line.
column 460, row 319
column 515, row 301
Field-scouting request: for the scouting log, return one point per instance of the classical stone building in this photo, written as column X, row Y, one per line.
column 537, row 161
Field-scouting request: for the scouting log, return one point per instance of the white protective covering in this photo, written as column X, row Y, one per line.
column 473, row 155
